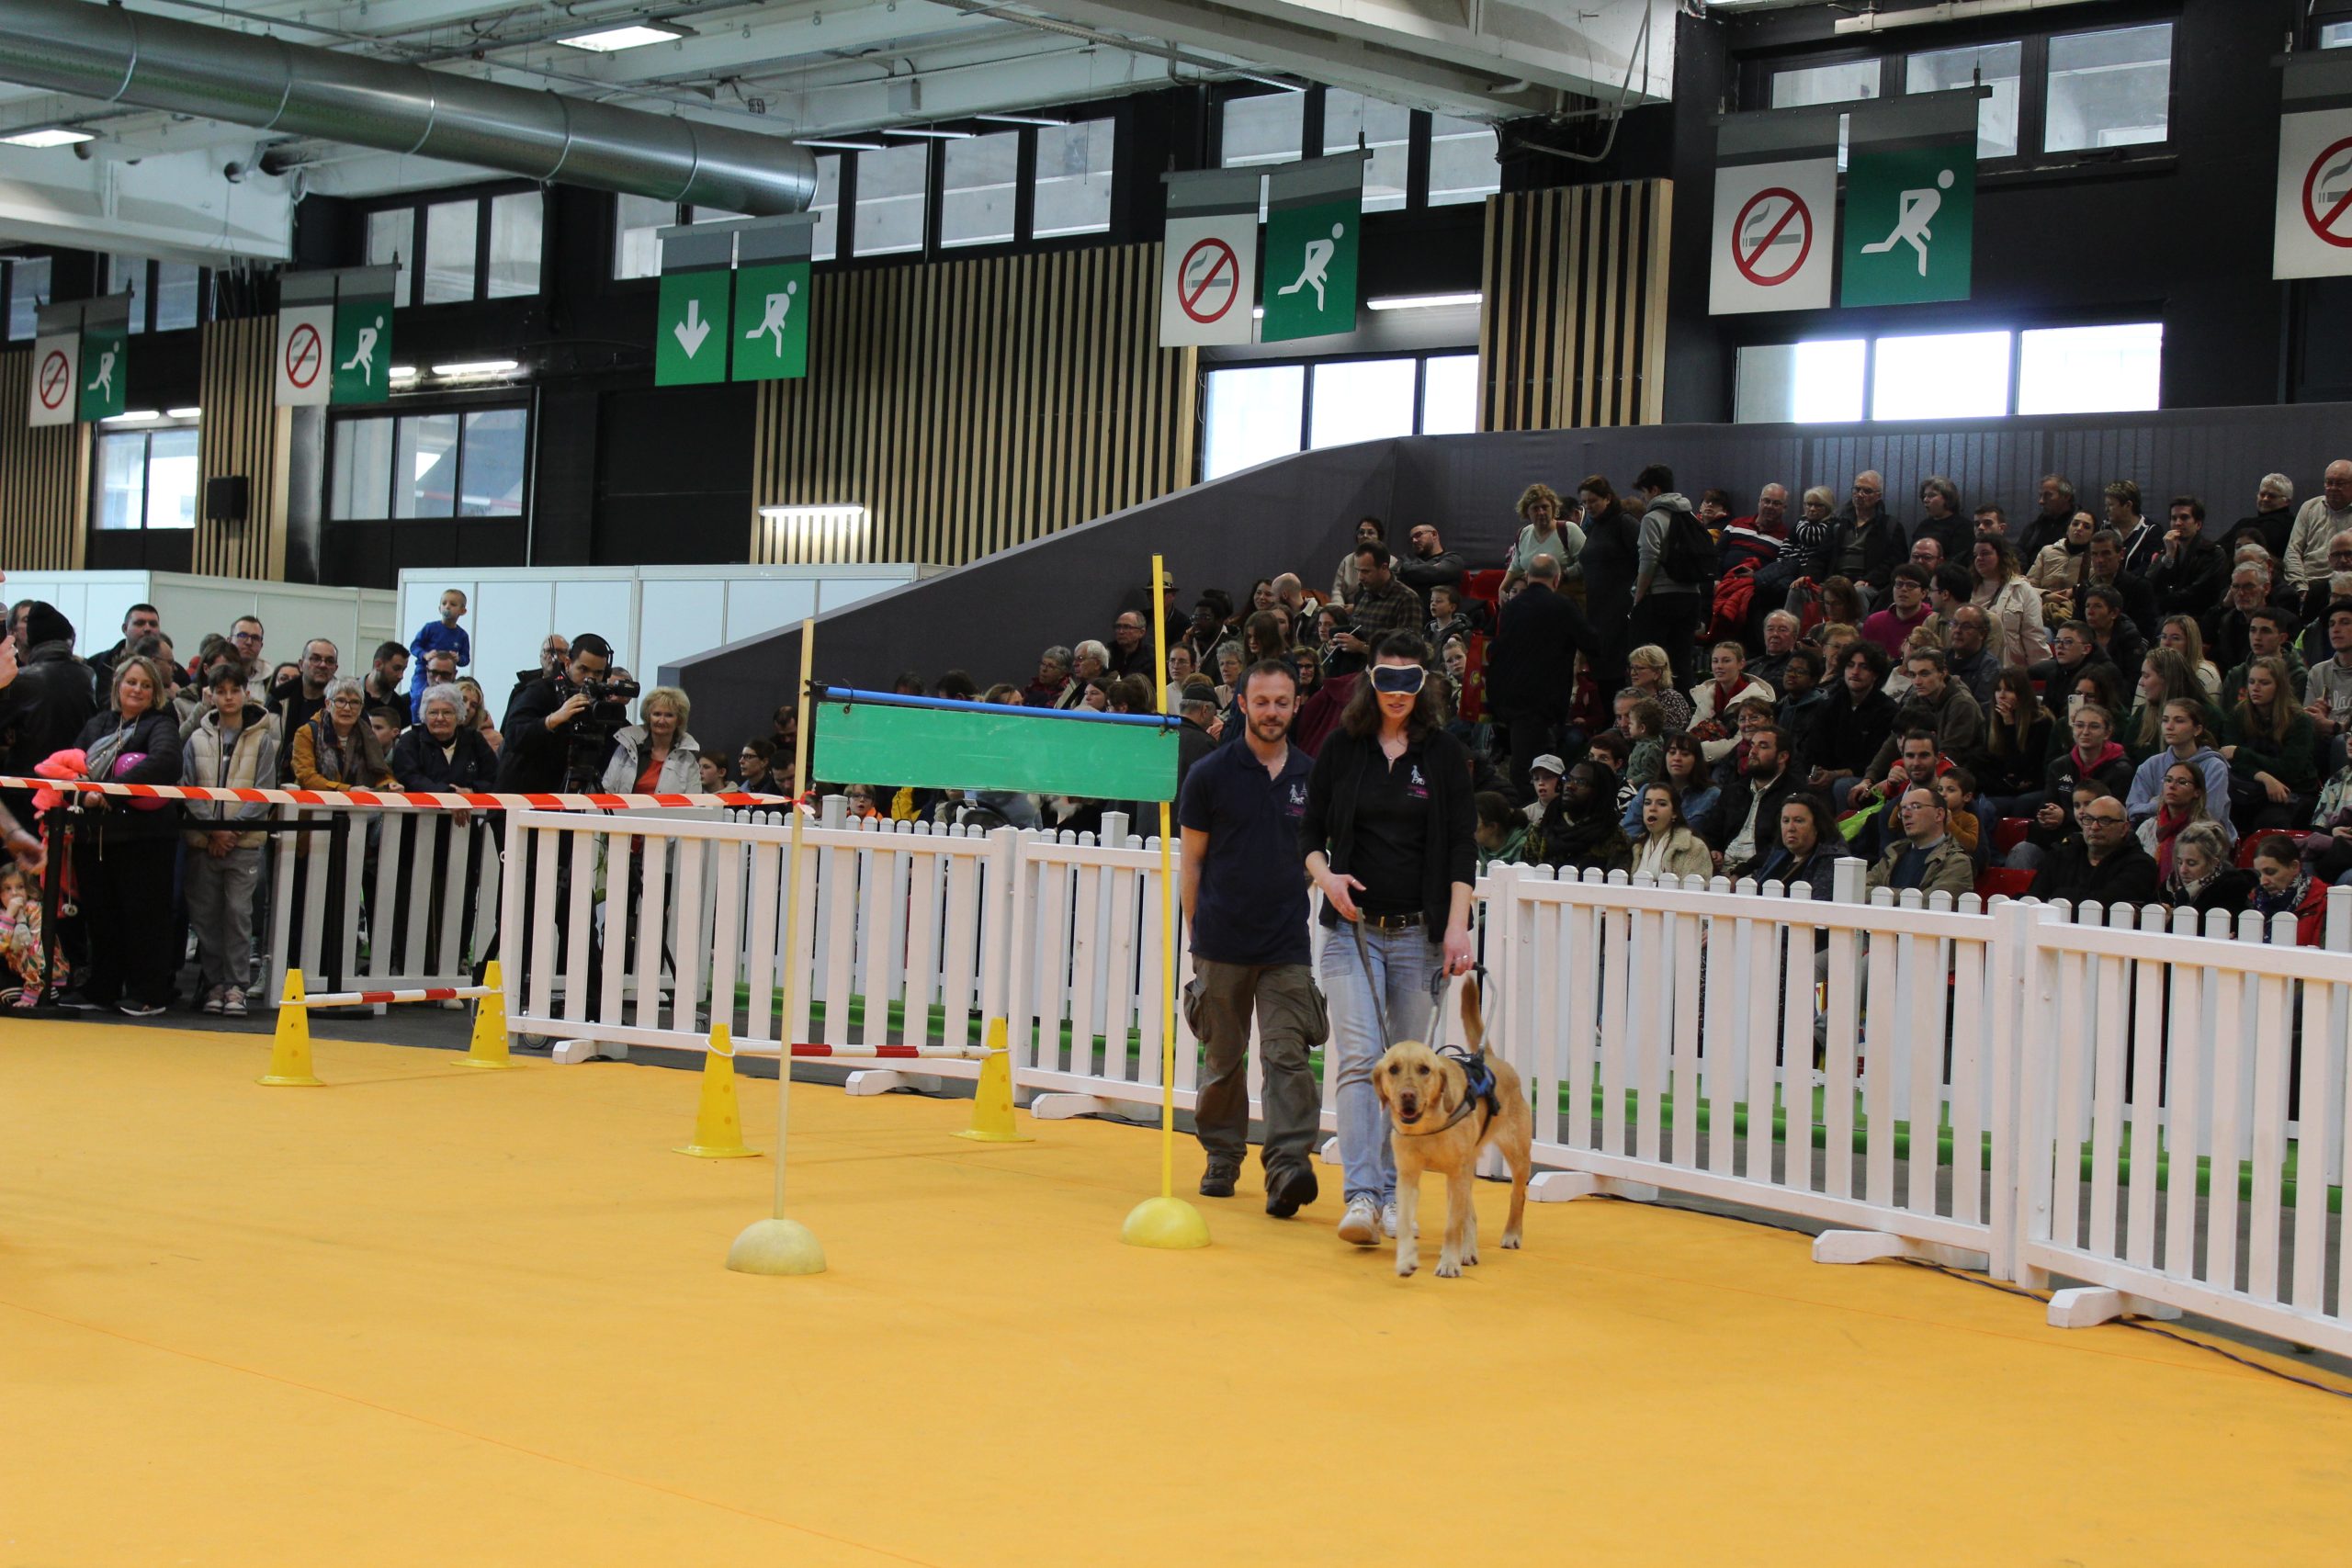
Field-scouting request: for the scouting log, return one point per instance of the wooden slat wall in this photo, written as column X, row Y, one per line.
column 244, row 433
column 1573, row 329
column 44, row 480
column 973, row 405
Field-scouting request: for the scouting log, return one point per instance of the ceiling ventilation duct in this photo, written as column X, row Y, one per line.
column 117, row 56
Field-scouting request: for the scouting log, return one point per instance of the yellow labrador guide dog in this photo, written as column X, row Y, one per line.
column 1442, row 1108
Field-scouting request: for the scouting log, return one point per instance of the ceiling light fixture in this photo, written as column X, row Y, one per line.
column 1422, row 301
column 402, row 373
column 132, row 416
column 185, row 413
column 938, row 135
column 634, row 36
column 48, row 136
column 842, row 146
column 1021, row 120
column 478, row 368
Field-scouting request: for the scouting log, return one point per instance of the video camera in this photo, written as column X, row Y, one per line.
column 591, row 734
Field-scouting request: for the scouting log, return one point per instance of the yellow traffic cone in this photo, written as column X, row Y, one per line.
column 719, row 1125
column 289, row 1050
column 993, row 1099
column 488, row 1048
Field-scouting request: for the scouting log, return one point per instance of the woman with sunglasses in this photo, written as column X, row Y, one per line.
column 1390, row 840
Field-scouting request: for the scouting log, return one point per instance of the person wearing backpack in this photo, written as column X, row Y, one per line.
column 1673, row 589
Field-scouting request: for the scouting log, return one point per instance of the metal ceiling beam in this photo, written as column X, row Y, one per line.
column 1583, row 48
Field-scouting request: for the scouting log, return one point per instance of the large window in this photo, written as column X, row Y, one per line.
column 1998, row 65
column 28, row 292
column 1463, row 166
column 128, row 274
column 1387, row 133
column 1802, row 383
column 1264, row 127
column 1841, row 83
column 892, row 188
column 2058, row 93
column 1074, row 177
column 146, row 477
column 1942, row 376
column 978, row 190
column 449, row 252
column 462, row 248
column 1953, row 376
column 450, row 463
column 164, row 296
column 516, row 222
column 2091, row 370
column 2110, row 89
column 392, row 241
column 1255, row 412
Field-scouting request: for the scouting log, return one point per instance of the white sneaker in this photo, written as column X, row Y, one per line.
column 211, row 1000
column 1361, row 1223
column 1389, row 1219
column 232, row 1001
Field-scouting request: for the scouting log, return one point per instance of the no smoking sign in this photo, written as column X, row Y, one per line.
column 1208, row 281
column 55, row 383
column 1772, row 237
column 305, row 355
column 1775, row 238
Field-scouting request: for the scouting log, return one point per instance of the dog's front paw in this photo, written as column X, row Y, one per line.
column 1448, row 1269
column 1408, row 1263
column 1510, row 1241
column 1470, row 1257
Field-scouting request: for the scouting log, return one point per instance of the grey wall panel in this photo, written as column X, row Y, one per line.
column 991, row 617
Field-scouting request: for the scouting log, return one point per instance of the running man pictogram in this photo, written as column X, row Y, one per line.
column 363, row 356
column 105, row 375
column 1311, row 270
column 1919, row 209
column 779, row 306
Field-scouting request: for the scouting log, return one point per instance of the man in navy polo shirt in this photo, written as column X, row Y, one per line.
column 1245, row 903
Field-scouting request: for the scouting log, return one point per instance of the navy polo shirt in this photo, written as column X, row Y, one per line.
column 1251, row 906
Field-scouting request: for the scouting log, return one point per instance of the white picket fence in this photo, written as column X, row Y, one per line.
column 404, row 877
column 1931, row 1078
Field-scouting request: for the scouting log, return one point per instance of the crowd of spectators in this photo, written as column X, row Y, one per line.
column 148, row 880
column 2092, row 699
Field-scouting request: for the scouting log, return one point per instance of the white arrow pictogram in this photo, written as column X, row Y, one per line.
column 693, row 330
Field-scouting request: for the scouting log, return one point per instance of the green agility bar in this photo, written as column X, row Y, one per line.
column 994, row 747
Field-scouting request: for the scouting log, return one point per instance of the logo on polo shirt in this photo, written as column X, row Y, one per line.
column 1417, row 786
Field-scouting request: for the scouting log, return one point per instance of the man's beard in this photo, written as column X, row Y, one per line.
column 1269, row 730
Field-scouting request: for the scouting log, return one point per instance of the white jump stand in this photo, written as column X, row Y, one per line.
column 568, row 1051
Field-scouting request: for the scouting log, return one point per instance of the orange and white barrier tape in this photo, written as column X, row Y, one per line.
column 446, row 799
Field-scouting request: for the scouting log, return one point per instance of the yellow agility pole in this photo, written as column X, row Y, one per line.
column 776, row 1245
column 1166, row 1221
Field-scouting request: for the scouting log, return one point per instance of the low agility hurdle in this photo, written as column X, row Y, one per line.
column 289, row 1050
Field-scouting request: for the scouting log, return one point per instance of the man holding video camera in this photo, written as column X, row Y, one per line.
column 559, row 728
column 559, row 731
